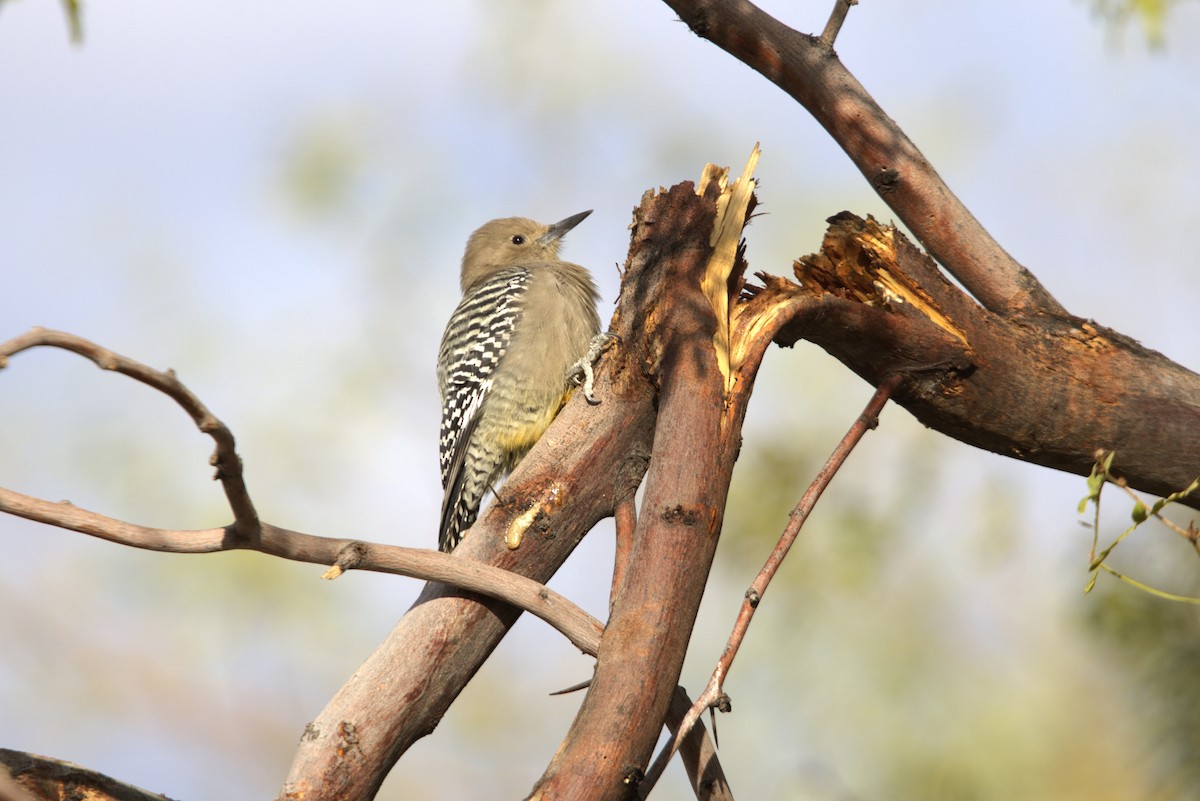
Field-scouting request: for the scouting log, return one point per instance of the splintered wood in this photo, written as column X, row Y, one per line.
column 724, row 265
column 859, row 261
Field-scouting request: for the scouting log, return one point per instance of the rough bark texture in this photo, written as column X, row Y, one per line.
column 1005, row 368
column 810, row 72
column 610, row 743
column 663, row 396
column 699, row 757
column 38, row 778
column 1050, row 391
column 587, row 458
column 591, row 458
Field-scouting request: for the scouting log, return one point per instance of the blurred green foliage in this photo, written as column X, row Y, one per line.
column 73, row 10
column 1151, row 16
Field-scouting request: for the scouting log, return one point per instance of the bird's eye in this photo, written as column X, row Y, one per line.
column 518, row 239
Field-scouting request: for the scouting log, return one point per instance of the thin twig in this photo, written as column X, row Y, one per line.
column 1188, row 534
column 249, row 533
column 580, row 628
column 697, row 753
column 836, row 17
column 714, row 694
column 1103, row 474
column 225, row 459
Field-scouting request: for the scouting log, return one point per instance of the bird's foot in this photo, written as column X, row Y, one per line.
column 582, row 372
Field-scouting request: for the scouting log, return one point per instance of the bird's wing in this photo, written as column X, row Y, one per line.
column 454, row 475
column 472, row 347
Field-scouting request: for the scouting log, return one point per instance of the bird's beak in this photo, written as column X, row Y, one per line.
column 560, row 228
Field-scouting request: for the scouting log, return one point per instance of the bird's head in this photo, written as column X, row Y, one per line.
column 510, row 241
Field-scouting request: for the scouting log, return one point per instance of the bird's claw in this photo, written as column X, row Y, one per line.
column 582, row 372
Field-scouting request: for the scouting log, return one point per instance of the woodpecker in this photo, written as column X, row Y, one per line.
column 526, row 324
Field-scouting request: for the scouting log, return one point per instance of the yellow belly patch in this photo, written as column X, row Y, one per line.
column 520, row 439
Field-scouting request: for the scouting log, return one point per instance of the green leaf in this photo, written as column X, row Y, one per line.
column 1100, row 559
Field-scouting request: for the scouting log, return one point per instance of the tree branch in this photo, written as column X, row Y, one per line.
column 1020, row 376
column 589, row 459
column 683, row 278
column 578, row 626
column 39, row 778
column 812, row 75
column 698, row 754
column 626, row 522
column 225, row 459
column 1050, row 392
column 836, row 17
column 713, row 694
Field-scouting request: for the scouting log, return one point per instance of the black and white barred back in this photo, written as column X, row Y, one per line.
column 473, row 345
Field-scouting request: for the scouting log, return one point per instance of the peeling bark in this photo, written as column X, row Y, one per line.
column 38, row 778
column 1049, row 390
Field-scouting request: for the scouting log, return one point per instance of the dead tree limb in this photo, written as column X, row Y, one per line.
column 1005, row 368
column 1050, row 391
column 39, row 778
column 342, row 554
column 224, row 459
column 811, row 73
column 589, row 460
column 683, row 282
column 580, row 628
column 713, row 696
